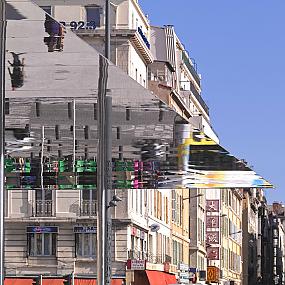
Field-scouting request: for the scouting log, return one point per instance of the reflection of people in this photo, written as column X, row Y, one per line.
column 56, row 32
column 17, row 75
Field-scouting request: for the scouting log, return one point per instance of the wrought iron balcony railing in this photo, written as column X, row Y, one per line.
column 43, row 208
column 199, row 98
column 88, row 208
column 191, row 68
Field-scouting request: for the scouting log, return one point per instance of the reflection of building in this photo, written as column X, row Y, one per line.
column 224, row 233
column 130, row 31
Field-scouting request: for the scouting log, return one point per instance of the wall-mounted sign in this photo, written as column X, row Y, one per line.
column 212, row 237
column 136, row 264
column 212, row 221
column 212, row 206
column 213, row 274
column 213, row 253
column 133, row 231
column 84, row 229
column 38, row 229
column 183, row 267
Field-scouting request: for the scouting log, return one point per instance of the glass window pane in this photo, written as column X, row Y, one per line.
column 38, row 244
column 31, row 244
column 94, row 244
column 80, row 244
column 47, row 244
column 86, row 245
column 93, row 14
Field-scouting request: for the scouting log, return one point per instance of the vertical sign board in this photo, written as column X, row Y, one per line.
column 213, row 274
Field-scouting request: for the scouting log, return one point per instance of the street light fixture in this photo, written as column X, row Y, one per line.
column 238, row 232
column 195, row 196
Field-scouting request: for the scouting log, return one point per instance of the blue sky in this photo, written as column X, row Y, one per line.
column 239, row 46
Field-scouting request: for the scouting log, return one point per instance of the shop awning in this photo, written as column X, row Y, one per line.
column 160, row 278
column 52, row 281
column 18, row 281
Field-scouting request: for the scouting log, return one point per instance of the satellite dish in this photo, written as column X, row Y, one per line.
column 154, row 228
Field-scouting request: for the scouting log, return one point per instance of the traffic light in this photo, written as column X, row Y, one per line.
column 67, row 279
column 36, row 280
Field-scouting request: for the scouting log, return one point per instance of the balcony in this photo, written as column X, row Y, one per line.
column 88, row 208
column 135, row 254
column 190, row 67
column 43, row 208
column 158, row 259
column 199, row 99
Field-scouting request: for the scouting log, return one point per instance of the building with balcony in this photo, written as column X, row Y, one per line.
column 173, row 76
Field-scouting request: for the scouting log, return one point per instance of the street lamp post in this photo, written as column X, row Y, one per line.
column 104, row 174
column 2, row 133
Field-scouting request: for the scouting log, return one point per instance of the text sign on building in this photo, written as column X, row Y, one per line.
column 213, row 274
column 212, row 222
column 212, row 206
column 38, row 229
column 136, row 264
column 212, row 237
column 213, row 253
column 84, row 229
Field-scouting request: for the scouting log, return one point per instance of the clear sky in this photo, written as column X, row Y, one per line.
column 239, row 46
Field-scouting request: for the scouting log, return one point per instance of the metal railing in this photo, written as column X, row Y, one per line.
column 191, row 68
column 88, row 208
column 199, row 98
column 43, row 208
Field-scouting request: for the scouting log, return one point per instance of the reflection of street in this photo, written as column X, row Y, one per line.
column 17, row 73
column 56, row 32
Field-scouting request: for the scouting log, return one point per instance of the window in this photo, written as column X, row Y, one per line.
column 41, row 244
column 47, row 9
column 93, row 14
column 85, row 244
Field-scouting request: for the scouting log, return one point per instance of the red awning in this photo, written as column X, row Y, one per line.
column 52, row 281
column 160, row 278
column 18, row 281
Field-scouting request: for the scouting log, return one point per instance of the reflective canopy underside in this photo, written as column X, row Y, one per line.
column 51, row 119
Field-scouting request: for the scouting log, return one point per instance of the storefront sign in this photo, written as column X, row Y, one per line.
column 136, row 264
column 38, row 229
column 183, row 267
column 213, row 274
column 84, row 229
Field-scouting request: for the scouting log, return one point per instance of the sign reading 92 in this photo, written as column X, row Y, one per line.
column 80, row 25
